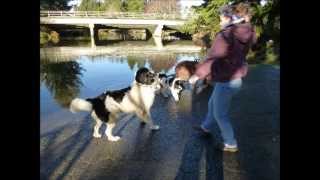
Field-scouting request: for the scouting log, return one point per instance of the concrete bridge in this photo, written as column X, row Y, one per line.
column 91, row 18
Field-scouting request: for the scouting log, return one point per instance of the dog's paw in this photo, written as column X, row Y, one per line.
column 96, row 135
column 155, row 127
column 114, row 138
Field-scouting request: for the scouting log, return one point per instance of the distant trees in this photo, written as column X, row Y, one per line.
column 134, row 5
column 112, row 5
column 54, row 5
column 266, row 19
column 206, row 18
column 90, row 5
column 155, row 6
column 162, row 6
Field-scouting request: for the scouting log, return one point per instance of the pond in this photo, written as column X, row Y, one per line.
column 69, row 72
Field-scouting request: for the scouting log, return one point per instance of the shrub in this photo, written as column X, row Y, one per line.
column 44, row 38
column 54, row 37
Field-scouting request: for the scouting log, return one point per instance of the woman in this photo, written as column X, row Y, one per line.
column 226, row 64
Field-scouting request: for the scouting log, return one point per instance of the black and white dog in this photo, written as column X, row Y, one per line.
column 176, row 83
column 170, row 85
column 137, row 98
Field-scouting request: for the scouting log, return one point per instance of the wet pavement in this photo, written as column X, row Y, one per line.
column 176, row 151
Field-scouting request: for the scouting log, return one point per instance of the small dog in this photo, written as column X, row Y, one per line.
column 179, row 82
column 137, row 98
column 170, row 85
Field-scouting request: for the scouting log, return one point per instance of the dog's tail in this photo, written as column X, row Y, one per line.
column 78, row 104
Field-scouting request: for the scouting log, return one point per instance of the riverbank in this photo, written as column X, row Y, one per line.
column 69, row 53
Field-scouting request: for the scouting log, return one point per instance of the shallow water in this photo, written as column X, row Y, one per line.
column 63, row 79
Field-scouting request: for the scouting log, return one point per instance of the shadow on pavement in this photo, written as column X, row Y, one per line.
column 192, row 155
column 57, row 151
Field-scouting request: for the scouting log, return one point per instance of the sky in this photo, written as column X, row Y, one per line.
column 263, row 2
column 74, row 2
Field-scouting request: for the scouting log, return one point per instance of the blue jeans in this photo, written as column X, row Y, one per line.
column 218, row 109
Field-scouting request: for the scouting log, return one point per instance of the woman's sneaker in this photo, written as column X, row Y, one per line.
column 230, row 148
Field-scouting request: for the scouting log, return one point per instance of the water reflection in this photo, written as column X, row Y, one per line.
column 157, row 62
column 69, row 72
column 135, row 61
column 162, row 62
column 62, row 79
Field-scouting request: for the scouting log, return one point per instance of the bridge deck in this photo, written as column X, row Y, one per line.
column 53, row 20
column 112, row 15
column 98, row 17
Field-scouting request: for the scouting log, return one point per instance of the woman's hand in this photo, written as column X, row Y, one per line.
column 193, row 79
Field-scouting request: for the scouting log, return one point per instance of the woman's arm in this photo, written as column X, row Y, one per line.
column 218, row 50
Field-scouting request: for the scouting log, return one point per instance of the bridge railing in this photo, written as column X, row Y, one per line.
column 113, row 15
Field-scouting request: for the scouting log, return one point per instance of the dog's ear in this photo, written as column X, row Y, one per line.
column 141, row 75
column 135, row 75
column 171, row 80
column 138, row 77
column 181, row 84
column 176, row 83
column 162, row 75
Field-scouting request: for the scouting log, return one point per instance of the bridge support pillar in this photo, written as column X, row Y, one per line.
column 157, row 36
column 91, row 26
column 158, row 42
column 158, row 31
